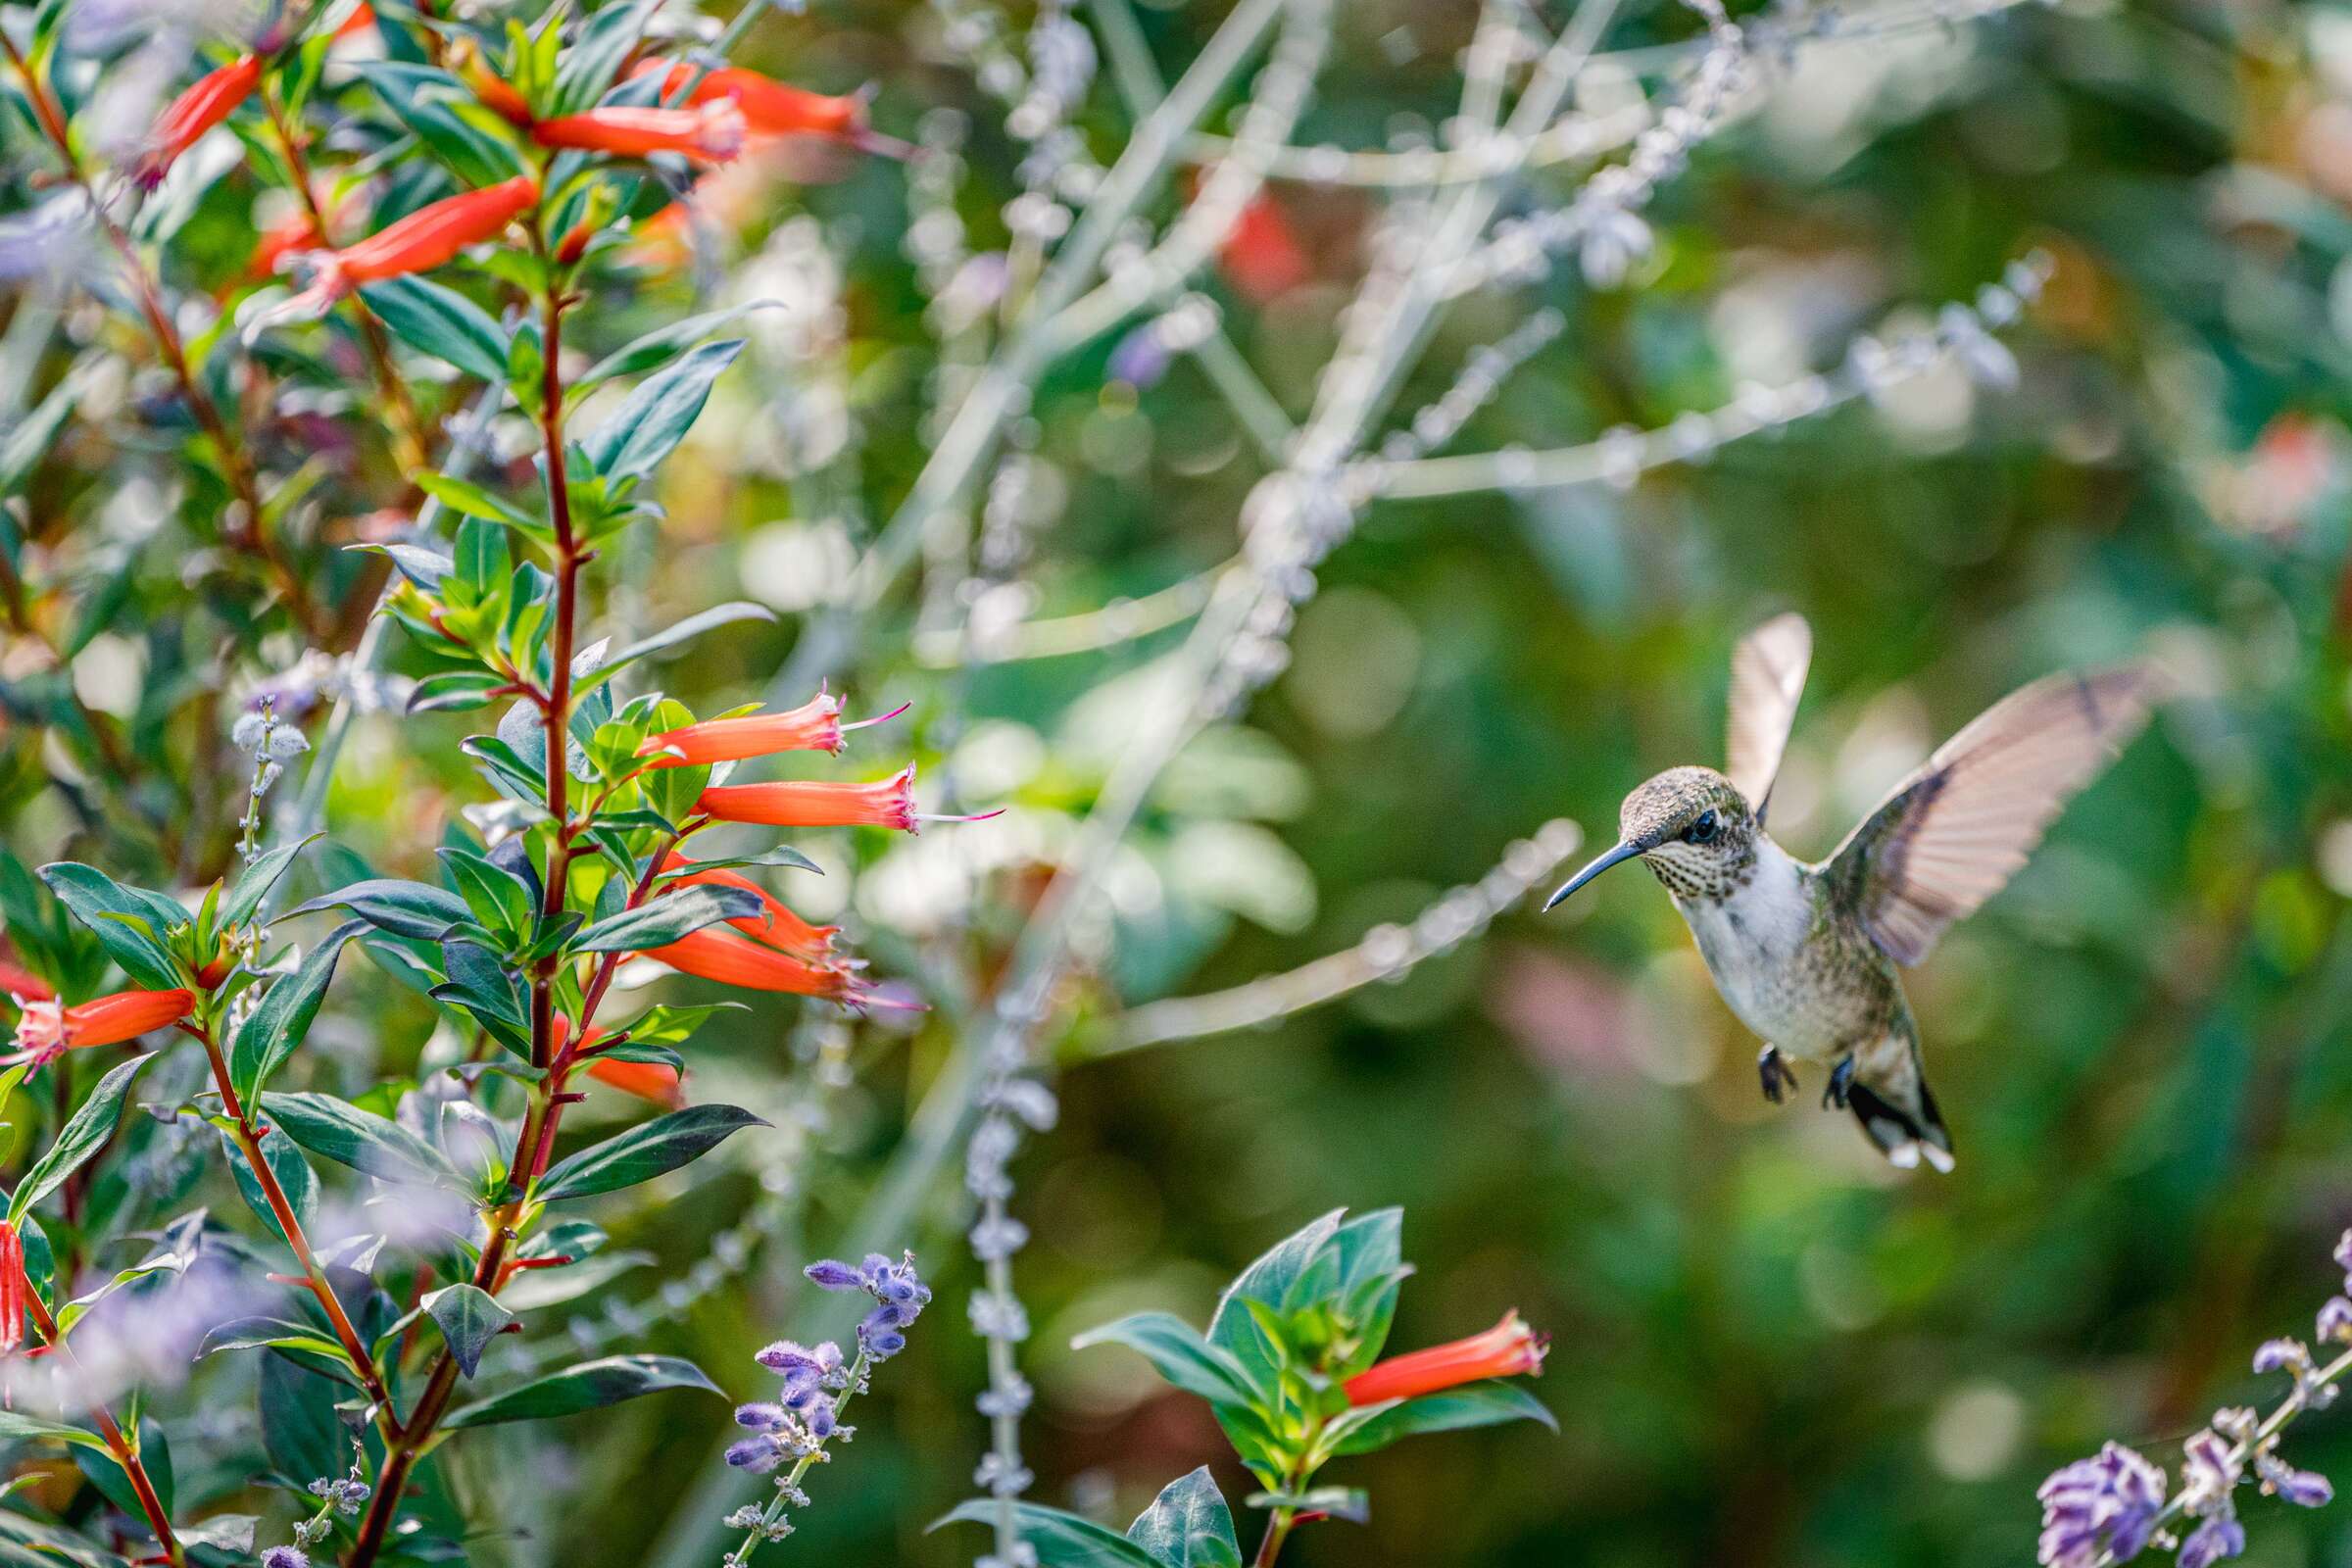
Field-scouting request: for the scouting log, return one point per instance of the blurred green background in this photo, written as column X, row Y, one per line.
column 1768, row 1347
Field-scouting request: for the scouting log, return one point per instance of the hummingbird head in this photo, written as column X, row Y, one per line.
column 1693, row 828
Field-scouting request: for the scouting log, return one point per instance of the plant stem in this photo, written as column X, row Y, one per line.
column 546, row 1110
column 248, row 1140
column 1278, row 1531
column 125, row 1450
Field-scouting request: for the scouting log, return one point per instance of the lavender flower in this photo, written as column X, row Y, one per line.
column 2211, row 1541
column 900, row 1296
column 285, row 1558
column 2107, row 1503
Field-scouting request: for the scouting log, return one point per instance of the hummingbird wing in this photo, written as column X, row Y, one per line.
column 1768, row 675
column 1952, row 834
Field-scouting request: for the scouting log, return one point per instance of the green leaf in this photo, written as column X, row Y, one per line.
column 278, row 1024
column 645, row 1151
column 1060, row 1539
column 430, row 102
column 294, row 1178
column 82, row 1136
column 348, row 1136
column 109, row 1477
column 473, row 501
column 1188, row 1526
column 586, row 69
column 1474, row 1404
column 128, row 922
column 658, row 923
column 657, row 347
column 589, row 1386
column 442, row 322
column 468, row 1319
column 412, row 910
column 1267, row 1283
column 673, row 634
column 300, row 1431
column 256, row 881
column 1180, row 1355
column 18, row 1426
column 646, row 427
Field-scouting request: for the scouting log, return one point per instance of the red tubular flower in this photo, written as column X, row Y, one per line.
column 22, row 984
column 16, row 1288
column 814, row 726
column 802, row 802
column 771, row 108
column 1507, row 1349
column 776, row 925
column 191, row 115
column 710, row 133
column 655, row 1081
column 737, row 960
column 47, row 1031
column 418, row 243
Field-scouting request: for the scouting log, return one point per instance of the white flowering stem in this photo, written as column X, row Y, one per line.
column 1387, row 953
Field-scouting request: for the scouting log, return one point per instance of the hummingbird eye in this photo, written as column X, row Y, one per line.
column 1703, row 830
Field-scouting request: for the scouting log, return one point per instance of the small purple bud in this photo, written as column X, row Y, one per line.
column 760, row 1416
column 2211, row 1541
column 787, row 1357
column 2335, row 1320
column 758, row 1455
column 285, row 1558
column 833, row 1275
column 821, row 1420
column 885, row 1344
column 2274, row 1355
column 2302, row 1487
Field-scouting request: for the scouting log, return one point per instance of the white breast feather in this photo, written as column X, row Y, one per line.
column 1749, row 940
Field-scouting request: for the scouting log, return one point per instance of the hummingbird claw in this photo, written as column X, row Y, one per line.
column 1841, row 1079
column 1779, row 1078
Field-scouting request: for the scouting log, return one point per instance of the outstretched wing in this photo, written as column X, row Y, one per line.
column 1954, row 832
column 1768, row 675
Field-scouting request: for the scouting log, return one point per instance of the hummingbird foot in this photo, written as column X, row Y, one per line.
column 1839, row 1086
column 1779, row 1078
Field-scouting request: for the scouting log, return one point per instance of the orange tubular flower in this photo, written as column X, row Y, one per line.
column 495, row 92
column 16, row 1288
column 814, row 726
column 418, row 243
column 737, row 960
column 801, row 803
column 771, row 108
column 1509, row 1348
column 709, row 133
column 655, row 1081
column 776, row 925
column 47, row 1031
column 192, row 113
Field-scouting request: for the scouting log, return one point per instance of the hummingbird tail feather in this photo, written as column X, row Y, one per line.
column 1889, row 1097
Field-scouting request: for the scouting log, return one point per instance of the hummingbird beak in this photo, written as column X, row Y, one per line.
column 1623, row 851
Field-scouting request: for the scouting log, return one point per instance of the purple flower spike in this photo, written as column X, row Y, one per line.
column 2106, row 1503
column 2211, row 1541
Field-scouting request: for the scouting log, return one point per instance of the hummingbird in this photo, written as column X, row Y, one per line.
column 1806, row 954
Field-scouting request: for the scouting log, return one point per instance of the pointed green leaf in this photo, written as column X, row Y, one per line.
column 658, row 923
column 589, row 1386
column 645, row 1151
column 278, row 1024
column 468, row 1319
column 1176, row 1349
column 1060, row 1539
column 86, row 1132
column 335, row 1130
column 1474, row 1404
column 1188, row 1526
